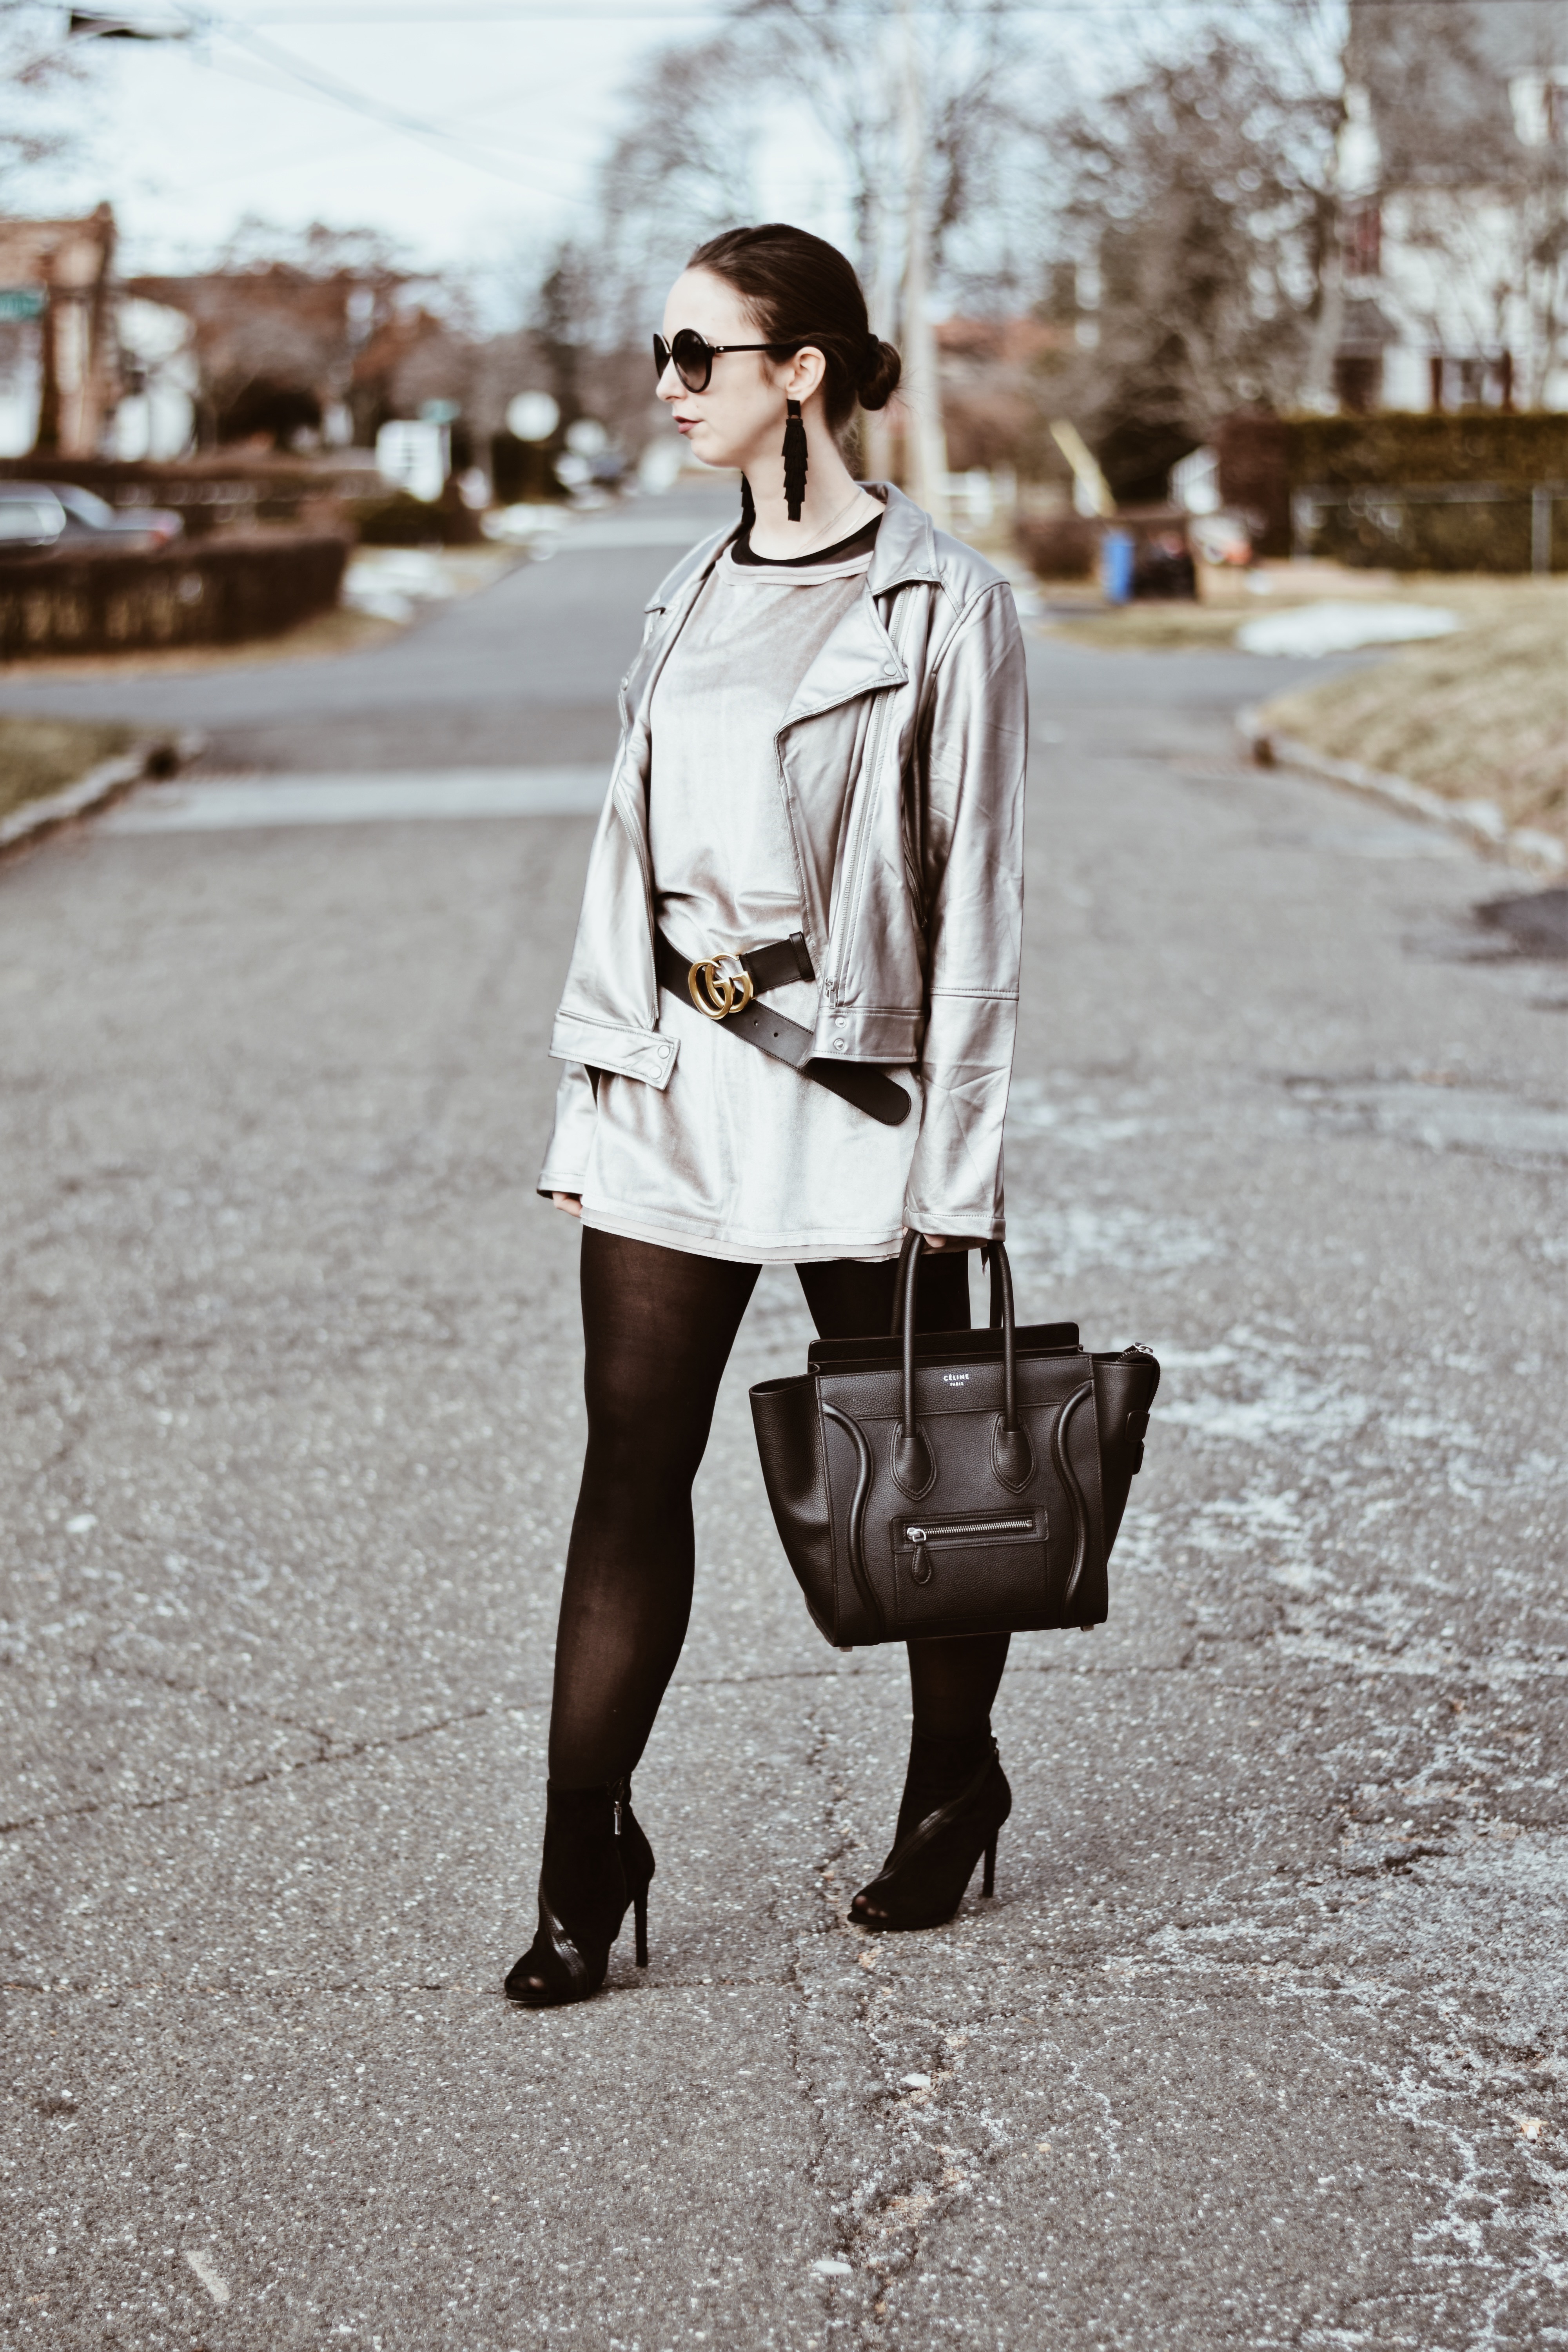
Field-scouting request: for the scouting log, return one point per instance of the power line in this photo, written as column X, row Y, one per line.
column 502, row 12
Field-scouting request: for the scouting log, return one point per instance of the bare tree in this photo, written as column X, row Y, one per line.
column 1465, row 156
column 40, row 74
column 684, row 164
column 1201, row 199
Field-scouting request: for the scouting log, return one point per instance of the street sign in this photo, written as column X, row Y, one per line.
column 414, row 456
column 22, row 303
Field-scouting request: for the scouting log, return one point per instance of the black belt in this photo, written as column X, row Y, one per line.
column 725, row 987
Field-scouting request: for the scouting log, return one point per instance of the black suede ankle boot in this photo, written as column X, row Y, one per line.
column 947, row 1821
column 596, row 1862
column 939, row 1767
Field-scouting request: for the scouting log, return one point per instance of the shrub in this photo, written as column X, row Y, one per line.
column 393, row 518
column 1060, row 547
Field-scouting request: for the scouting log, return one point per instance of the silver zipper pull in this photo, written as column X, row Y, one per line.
column 619, row 1811
column 919, row 1565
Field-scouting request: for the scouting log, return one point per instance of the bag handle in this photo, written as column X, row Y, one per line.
column 913, row 1466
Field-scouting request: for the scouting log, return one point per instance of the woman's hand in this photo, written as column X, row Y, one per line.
column 569, row 1203
column 949, row 1241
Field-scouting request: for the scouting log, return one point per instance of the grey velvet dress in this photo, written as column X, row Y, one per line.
column 740, row 1157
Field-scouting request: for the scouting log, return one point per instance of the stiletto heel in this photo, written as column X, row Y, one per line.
column 597, row 1863
column 923, row 1882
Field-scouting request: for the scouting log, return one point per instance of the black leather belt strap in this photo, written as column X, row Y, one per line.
column 774, row 966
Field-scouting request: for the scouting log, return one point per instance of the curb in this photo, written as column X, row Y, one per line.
column 1481, row 823
column 158, row 756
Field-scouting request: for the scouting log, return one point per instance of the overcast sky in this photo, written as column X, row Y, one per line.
column 519, row 100
column 503, row 107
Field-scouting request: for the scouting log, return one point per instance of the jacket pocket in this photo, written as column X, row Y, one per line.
column 985, row 1564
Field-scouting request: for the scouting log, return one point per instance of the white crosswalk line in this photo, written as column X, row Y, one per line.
column 244, row 803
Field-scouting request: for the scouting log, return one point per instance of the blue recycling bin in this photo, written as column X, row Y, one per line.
column 1117, row 549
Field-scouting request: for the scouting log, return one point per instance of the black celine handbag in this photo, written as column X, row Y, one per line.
column 953, row 1482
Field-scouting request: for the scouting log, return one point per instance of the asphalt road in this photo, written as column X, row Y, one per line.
column 1261, row 2042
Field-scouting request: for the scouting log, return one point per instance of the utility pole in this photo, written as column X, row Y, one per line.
column 925, row 442
column 876, row 431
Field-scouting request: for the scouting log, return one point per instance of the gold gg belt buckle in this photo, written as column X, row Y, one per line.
column 716, row 992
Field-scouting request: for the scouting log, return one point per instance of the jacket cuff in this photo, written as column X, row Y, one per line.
column 604, row 1045
column 571, row 1137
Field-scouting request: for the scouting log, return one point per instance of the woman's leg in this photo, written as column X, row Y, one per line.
column 658, row 1325
column 952, row 1682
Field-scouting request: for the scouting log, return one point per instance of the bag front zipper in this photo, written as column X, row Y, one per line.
column 921, row 1533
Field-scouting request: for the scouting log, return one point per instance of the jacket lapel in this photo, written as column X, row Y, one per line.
column 859, row 658
column 673, row 598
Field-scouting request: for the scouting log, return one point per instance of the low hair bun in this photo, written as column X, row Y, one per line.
column 802, row 291
column 880, row 376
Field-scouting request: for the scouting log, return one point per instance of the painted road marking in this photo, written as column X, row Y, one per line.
column 211, row 2277
column 250, row 803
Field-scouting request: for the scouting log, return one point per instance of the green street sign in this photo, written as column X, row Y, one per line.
column 22, row 303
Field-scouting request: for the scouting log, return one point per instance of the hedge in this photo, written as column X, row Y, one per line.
column 1443, row 493
column 220, row 592
column 1432, row 527
column 1358, row 452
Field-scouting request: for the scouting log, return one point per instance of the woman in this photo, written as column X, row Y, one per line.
column 788, row 1031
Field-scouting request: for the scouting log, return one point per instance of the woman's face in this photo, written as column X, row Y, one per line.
column 739, row 417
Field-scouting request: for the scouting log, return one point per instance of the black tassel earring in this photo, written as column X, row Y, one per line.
column 747, row 511
column 795, row 460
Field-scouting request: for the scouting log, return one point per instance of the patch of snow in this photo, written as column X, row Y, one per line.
column 1334, row 626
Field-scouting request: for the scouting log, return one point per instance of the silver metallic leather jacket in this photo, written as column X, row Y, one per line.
column 920, row 693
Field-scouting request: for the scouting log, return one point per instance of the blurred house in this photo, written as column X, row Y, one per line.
column 283, row 356
column 58, row 378
column 159, row 382
column 1453, row 180
column 991, row 401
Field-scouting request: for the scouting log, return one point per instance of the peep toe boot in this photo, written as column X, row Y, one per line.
column 596, row 1864
column 924, row 1880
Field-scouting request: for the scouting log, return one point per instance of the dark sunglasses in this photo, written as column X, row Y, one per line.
column 694, row 356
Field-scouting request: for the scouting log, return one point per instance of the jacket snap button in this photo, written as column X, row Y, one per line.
column 840, row 1045
column 664, row 1053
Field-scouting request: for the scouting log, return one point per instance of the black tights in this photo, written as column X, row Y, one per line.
column 659, row 1326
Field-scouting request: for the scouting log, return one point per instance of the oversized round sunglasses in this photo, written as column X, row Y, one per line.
column 694, row 356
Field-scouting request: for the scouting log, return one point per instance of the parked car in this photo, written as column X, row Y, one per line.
column 31, row 518
column 90, row 518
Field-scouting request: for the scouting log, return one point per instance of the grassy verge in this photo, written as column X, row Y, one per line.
column 1481, row 716
column 1160, row 627
column 43, row 755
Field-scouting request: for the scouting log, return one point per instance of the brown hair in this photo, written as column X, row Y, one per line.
column 800, row 289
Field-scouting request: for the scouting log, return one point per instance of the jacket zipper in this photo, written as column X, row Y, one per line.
column 836, row 984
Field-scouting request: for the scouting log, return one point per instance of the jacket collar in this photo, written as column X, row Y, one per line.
column 693, row 567
column 859, row 656
column 906, row 544
column 905, row 549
